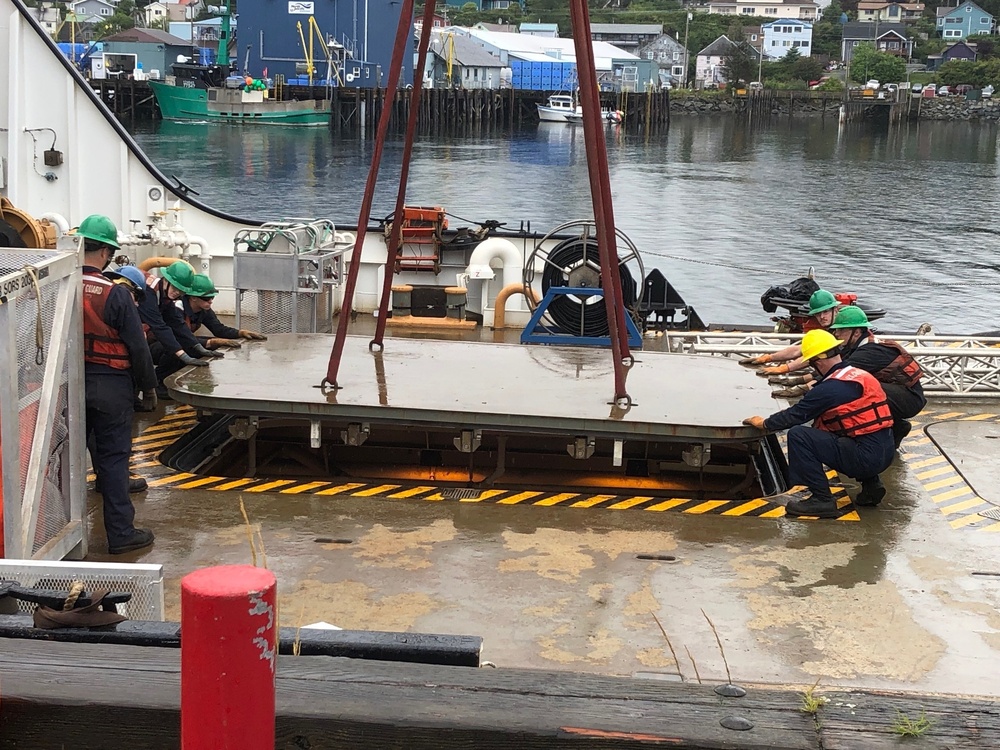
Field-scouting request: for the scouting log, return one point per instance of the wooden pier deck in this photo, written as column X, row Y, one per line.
column 88, row 696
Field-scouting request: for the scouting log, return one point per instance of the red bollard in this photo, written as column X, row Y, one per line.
column 228, row 656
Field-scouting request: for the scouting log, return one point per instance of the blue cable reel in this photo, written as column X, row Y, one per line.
column 572, row 310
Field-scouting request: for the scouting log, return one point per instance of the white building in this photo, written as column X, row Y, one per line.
column 522, row 46
column 785, row 34
column 803, row 10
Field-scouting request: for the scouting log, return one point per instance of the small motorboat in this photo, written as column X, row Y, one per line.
column 560, row 108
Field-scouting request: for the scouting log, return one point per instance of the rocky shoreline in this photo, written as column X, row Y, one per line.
column 811, row 104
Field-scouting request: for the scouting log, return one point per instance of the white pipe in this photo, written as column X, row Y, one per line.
column 496, row 248
column 204, row 257
column 59, row 220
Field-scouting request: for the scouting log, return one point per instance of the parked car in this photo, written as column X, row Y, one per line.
column 944, row 91
column 872, row 84
column 962, row 89
column 988, row 92
column 891, row 88
column 916, row 89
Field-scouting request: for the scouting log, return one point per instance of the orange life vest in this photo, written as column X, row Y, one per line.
column 903, row 370
column 866, row 414
column 101, row 343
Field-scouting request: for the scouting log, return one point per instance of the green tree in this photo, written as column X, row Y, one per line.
column 985, row 46
column 827, row 32
column 467, row 15
column 806, row 69
column 740, row 63
column 123, row 18
column 868, row 63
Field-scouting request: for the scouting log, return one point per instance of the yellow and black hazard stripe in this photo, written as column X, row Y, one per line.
column 940, row 479
column 180, row 419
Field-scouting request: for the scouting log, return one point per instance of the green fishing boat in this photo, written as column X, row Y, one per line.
column 210, row 93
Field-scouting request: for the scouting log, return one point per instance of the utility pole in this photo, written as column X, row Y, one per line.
column 687, row 52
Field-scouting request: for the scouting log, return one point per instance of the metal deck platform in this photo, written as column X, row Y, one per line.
column 501, row 388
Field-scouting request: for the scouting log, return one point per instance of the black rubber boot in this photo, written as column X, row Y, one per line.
column 135, row 484
column 139, row 539
column 819, row 506
column 872, row 492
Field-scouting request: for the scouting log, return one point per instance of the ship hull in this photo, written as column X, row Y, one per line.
column 221, row 105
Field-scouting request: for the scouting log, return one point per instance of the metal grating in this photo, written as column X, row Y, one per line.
column 454, row 494
column 992, row 513
column 144, row 582
column 272, row 312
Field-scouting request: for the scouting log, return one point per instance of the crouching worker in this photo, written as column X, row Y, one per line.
column 198, row 313
column 851, row 431
column 822, row 309
column 888, row 361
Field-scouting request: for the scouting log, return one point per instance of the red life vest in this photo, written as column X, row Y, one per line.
column 903, row 370
column 866, row 414
column 101, row 343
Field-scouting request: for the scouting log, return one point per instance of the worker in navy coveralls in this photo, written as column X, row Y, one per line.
column 117, row 363
column 851, row 430
column 170, row 340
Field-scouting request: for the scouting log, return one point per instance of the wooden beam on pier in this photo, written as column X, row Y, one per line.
column 100, row 696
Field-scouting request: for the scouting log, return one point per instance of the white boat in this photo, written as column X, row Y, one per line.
column 560, row 108
column 563, row 108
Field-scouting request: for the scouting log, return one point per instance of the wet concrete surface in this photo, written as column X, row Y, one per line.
column 972, row 448
column 888, row 602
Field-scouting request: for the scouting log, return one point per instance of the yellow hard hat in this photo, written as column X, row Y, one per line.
column 818, row 342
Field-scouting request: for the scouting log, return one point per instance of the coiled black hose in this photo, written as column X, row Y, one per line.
column 573, row 315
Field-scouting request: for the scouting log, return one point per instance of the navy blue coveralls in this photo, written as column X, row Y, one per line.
column 863, row 457
column 209, row 320
column 110, row 393
column 168, row 332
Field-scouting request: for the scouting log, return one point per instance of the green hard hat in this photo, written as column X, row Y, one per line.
column 180, row 275
column 821, row 300
column 100, row 229
column 851, row 317
column 202, row 286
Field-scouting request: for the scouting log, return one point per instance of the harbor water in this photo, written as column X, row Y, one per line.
column 905, row 218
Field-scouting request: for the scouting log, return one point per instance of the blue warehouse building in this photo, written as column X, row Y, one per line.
column 359, row 33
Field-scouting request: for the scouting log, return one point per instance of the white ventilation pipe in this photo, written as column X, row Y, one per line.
column 496, row 248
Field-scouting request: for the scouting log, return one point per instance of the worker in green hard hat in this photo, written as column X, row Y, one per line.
column 851, row 429
column 171, row 342
column 117, row 363
column 822, row 309
column 198, row 313
column 892, row 366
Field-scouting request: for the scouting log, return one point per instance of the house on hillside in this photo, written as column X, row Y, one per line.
column 627, row 36
column 472, row 67
column 540, row 29
column 754, row 37
column 710, row 63
column 965, row 51
column 91, row 11
column 873, row 11
column 968, row 19
column 804, row 10
column 887, row 37
column 664, row 49
column 784, row 35
column 507, row 28
column 48, row 16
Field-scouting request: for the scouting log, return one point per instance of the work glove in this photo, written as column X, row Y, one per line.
column 189, row 360
column 224, row 344
column 148, row 401
column 203, row 352
column 763, row 359
column 790, row 379
column 252, row 335
column 757, row 422
column 766, row 372
column 794, row 391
